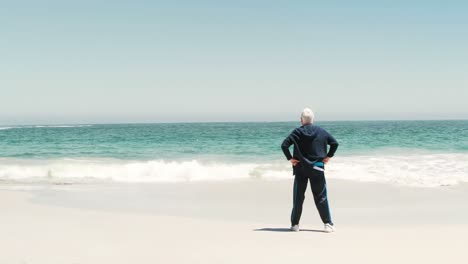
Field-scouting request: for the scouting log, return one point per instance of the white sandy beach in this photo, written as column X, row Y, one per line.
column 229, row 222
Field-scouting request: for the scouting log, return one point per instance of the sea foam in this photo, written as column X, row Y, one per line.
column 429, row 170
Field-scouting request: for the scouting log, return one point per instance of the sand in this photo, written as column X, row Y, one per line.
column 229, row 222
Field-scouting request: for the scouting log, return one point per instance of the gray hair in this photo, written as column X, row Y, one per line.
column 307, row 116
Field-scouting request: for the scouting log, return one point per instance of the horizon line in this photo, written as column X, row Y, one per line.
column 219, row 122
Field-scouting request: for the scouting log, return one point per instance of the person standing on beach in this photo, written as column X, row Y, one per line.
column 308, row 160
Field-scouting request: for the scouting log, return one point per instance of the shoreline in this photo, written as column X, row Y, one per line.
column 351, row 202
column 212, row 223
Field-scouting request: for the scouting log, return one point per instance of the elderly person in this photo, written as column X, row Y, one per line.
column 308, row 160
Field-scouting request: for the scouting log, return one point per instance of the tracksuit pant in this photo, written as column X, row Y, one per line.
column 319, row 191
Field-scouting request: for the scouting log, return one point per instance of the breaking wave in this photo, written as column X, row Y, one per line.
column 428, row 170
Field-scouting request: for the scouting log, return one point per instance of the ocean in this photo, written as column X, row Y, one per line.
column 413, row 153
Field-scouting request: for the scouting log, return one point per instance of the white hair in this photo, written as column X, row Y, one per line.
column 307, row 116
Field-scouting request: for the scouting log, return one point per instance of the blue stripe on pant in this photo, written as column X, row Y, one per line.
column 319, row 190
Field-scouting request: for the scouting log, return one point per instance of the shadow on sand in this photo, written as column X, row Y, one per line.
column 269, row 229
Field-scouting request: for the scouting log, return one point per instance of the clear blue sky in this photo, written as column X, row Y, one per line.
column 159, row 61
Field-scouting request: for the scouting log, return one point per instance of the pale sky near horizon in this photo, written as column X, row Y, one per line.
column 174, row 61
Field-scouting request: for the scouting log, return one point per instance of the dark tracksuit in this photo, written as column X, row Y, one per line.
column 310, row 146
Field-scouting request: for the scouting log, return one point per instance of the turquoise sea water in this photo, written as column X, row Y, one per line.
column 158, row 152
